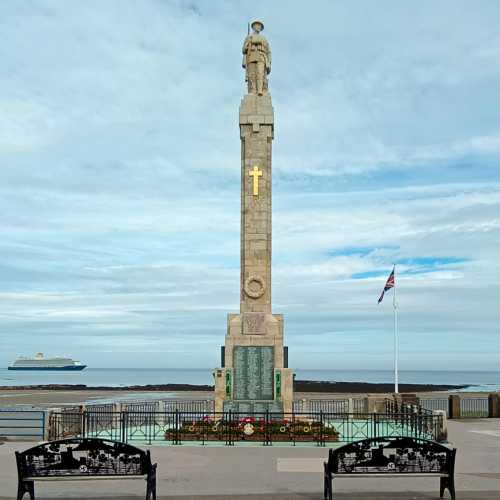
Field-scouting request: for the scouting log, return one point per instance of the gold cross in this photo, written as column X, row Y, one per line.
column 255, row 173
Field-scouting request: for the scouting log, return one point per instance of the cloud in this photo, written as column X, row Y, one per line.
column 119, row 186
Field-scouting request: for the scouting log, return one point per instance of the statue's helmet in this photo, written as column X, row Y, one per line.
column 257, row 22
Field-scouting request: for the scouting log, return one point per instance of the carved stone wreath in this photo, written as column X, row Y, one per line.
column 254, row 287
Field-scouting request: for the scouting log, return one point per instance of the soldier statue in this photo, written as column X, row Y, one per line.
column 257, row 59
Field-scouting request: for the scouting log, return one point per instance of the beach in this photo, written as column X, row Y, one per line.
column 47, row 398
column 110, row 385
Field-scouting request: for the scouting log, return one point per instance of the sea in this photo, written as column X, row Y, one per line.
column 476, row 381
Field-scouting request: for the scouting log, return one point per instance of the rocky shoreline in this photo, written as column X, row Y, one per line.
column 299, row 386
column 367, row 387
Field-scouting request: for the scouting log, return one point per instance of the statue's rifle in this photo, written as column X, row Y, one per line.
column 243, row 62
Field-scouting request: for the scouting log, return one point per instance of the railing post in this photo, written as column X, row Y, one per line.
column 454, row 406
column 80, row 421
column 204, row 426
column 231, row 426
column 123, row 424
column 375, row 430
column 84, row 422
column 266, row 433
column 53, row 424
column 415, row 423
column 149, row 426
column 177, row 430
column 440, row 425
column 493, row 405
column 46, row 425
column 321, row 437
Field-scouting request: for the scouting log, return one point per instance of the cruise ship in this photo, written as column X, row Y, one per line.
column 39, row 362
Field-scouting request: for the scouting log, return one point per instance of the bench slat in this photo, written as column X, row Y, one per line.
column 388, row 474
column 82, row 478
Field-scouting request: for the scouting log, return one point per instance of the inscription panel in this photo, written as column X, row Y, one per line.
column 253, row 371
column 254, row 323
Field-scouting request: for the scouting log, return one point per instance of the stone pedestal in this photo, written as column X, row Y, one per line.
column 494, row 406
column 255, row 376
column 252, row 374
column 454, row 406
column 376, row 403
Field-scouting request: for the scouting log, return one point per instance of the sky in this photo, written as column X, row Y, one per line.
column 120, row 180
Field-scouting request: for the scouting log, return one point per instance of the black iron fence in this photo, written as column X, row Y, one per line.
column 395, row 407
column 176, row 427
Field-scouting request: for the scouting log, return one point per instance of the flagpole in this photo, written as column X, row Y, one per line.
column 396, row 339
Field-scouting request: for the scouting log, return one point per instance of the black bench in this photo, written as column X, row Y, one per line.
column 392, row 457
column 83, row 459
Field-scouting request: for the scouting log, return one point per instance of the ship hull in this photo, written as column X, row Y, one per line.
column 49, row 368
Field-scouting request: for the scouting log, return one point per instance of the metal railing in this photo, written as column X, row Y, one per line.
column 22, row 424
column 433, row 404
column 230, row 428
column 395, row 407
column 474, row 407
column 329, row 405
column 341, row 405
column 189, row 405
column 299, row 405
column 360, row 405
column 104, row 409
column 140, row 406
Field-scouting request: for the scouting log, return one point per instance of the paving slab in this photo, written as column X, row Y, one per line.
column 416, row 495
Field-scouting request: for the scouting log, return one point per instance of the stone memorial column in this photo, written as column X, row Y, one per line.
column 254, row 376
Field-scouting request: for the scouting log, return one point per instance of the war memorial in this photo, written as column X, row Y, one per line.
column 254, row 375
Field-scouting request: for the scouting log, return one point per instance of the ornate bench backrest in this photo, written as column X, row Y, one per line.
column 83, row 457
column 392, row 455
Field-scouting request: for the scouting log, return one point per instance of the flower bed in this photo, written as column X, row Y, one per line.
column 252, row 429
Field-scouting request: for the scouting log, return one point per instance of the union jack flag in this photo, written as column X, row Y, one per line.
column 388, row 285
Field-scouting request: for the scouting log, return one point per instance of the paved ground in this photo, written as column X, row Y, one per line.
column 258, row 473
column 353, row 495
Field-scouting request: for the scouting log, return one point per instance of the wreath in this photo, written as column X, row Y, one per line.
column 254, row 294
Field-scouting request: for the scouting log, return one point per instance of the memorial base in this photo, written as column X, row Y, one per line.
column 253, row 408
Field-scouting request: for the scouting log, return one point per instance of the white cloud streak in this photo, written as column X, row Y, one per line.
column 119, row 179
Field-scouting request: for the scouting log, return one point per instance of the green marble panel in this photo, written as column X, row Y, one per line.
column 253, row 369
